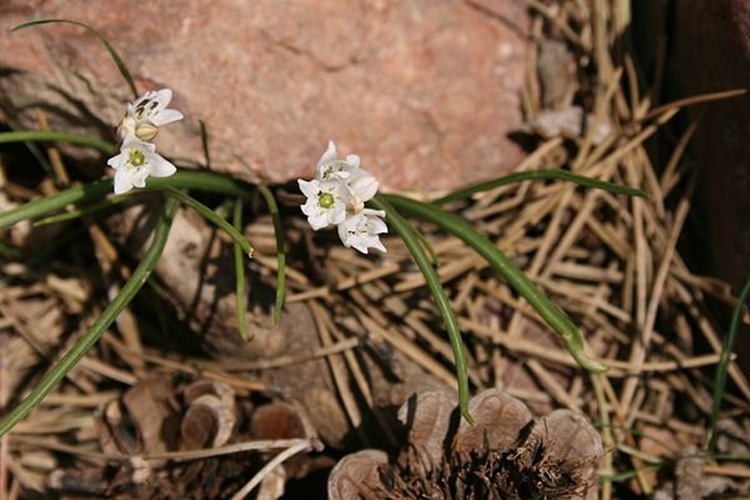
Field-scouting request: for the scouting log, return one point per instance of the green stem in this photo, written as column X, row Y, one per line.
column 90, row 338
column 201, row 180
column 239, row 269
column 278, row 230
column 409, row 236
column 543, row 174
column 552, row 314
column 50, row 136
column 723, row 367
column 42, row 206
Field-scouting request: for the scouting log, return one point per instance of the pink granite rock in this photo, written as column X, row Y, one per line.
column 425, row 91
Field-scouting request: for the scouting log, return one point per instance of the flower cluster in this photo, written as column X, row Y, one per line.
column 138, row 159
column 337, row 197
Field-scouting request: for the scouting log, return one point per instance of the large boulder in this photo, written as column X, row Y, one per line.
column 425, row 91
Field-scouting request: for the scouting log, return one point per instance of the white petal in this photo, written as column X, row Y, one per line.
column 138, row 178
column 147, row 97
column 361, row 243
column 361, row 231
column 349, row 229
column 162, row 97
column 375, row 225
column 123, row 183
column 117, row 161
column 318, row 221
column 166, row 116
column 338, row 214
column 310, row 207
column 159, row 167
column 329, row 155
column 364, row 187
column 127, row 126
column 379, row 245
column 309, row 188
column 140, row 99
column 371, row 212
column 344, row 233
column 353, row 160
column 132, row 142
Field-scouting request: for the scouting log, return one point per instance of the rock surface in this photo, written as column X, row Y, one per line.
column 425, row 91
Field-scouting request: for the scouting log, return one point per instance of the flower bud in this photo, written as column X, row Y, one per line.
column 146, row 131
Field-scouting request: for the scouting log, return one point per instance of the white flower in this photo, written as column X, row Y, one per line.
column 137, row 161
column 362, row 230
column 360, row 184
column 326, row 202
column 146, row 114
column 337, row 196
column 362, row 187
column 330, row 168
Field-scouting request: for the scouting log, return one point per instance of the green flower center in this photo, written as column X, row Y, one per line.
column 136, row 158
column 326, row 200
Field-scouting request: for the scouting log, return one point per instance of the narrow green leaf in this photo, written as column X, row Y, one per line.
column 202, row 180
column 112, row 52
column 278, row 230
column 49, row 204
column 239, row 269
column 409, row 236
column 86, row 211
column 10, row 252
column 204, row 143
column 723, row 367
column 428, row 247
column 41, row 158
column 552, row 314
column 629, row 474
column 90, row 338
column 50, row 135
column 211, row 216
column 542, row 174
column 734, row 457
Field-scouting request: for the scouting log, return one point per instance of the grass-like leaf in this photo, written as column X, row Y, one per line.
column 278, row 230
column 201, row 180
column 204, row 144
column 542, row 174
column 723, row 367
column 428, row 247
column 410, row 237
column 90, row 338
column 50, row 135
column 112, row 52
column 41, row 158
column 239, row 270
column 10, row 252
column 55, row 202
column 552, row 314
column 86, row 211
